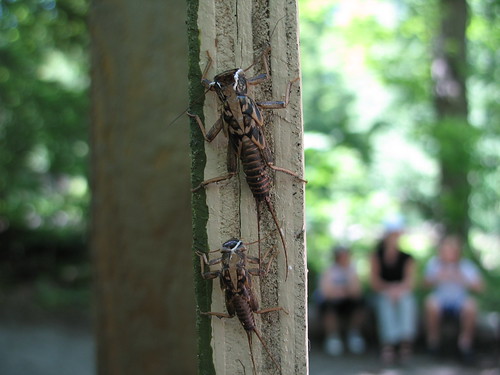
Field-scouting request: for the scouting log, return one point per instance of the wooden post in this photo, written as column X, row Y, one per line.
column 235, row 33
column 141, row 219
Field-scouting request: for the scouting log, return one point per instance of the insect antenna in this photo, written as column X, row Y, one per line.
column 274, row 28
column 262, row 239
column 266, row 46
column 280, row 231
column 242, row 366
column 197, row 101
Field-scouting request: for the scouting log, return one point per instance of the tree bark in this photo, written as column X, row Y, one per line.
column 141, row 219
column 235, row 34
column 453, row 133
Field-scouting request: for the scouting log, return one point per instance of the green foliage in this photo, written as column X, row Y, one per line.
column 44, row 193
column 43, row 126
column 374, row 142
column 50, row 295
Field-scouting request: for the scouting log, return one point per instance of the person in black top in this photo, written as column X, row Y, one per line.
column 392, row 278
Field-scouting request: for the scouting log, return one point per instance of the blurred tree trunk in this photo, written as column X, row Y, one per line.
column 141, row 217
column 453, row 133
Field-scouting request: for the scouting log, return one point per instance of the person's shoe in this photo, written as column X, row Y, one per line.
column 433, row 348
column 388, row 355
column 333, row 345
column 433, row 351
column 355, row 343
column 467, row 356
column 405, row 352
column 466, row 352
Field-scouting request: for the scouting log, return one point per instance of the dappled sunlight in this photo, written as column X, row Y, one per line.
column 369, row 150
column 488, row 247
column 378, row 143
column 65, row 69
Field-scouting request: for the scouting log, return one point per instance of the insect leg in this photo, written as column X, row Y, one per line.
column 230, row 309
column 217, row 314
column 266, row 155
column 271, row 309
column 232, row 167
column 279, row 104
column 259, row 271
column 204, row 261
column 256, row 260
column 214, row 130
column 206, row 82
column 213, row 180
column 284, row 170
column 264, row 76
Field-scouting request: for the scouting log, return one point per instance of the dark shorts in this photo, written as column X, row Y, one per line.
column 451, row 309
column 343, row 306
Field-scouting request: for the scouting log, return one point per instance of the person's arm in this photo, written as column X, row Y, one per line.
column 476, row 286
column 329, row 289
column 431, row 274
column 472, row 278
column 324, row 287
column 408, row 281
column 375, row 280
column 354, row 284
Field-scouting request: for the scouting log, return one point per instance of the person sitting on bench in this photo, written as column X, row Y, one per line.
column 451, row 277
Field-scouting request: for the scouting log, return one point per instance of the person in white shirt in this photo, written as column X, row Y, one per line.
column 452, row 278
column 340, row 296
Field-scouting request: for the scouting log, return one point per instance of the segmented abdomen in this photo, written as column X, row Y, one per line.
column 244, row 312
column 255, row 169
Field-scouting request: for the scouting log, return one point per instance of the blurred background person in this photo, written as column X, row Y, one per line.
column 340, row 299
column 451, row 277
column 392, row 278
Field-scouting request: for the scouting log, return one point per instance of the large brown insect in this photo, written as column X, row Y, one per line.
column 236, row 282
column 244, row 121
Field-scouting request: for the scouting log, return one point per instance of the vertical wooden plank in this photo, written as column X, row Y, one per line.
column 235, row 34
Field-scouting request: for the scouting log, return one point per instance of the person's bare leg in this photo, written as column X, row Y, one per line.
column 333, row 344
column 468, row 324
column 357, row 319
column 432, row 321
column 355, row 340
column 330, row 322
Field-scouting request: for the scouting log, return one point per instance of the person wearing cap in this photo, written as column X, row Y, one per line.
column 392, row 278
column 451, row 277
column 341, row 298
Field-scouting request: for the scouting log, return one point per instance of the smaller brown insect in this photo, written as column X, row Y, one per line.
column 236, row 282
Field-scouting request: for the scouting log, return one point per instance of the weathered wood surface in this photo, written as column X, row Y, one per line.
column 235, row 34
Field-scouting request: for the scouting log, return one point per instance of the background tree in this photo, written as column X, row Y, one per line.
column 43, row 148
column 374, row 143
column 455, row 137
column 385, row 56
column 141, row 240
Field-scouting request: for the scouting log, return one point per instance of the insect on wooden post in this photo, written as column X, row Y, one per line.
column 235, row 33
